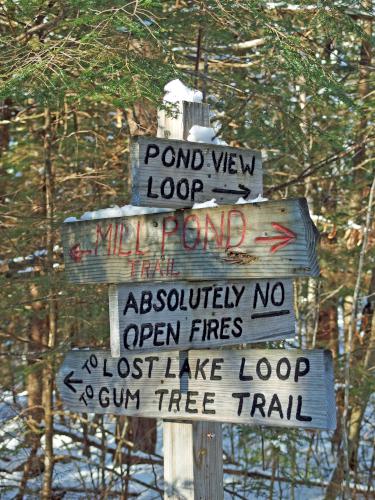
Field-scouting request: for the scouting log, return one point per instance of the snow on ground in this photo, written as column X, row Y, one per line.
column 75, row 470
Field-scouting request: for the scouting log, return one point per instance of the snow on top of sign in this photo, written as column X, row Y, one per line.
column 197, row 133
column 258, row 199
column 206, row 204
column 116, row 211
column 176, row 91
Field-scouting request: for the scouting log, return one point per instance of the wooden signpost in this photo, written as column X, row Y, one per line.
column 180, row 280
column 275, row 238
column 286, row 388
column 180, row 173
column 185, row 315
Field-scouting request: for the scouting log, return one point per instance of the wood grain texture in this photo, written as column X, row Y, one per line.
column 274, row 387
column 178, row 174
column 227, row 242
column 203, row 442
column 186, row 114
column 186, row 315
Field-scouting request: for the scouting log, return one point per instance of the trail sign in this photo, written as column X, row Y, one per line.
column 288, row 388
column 185, row 315
column 180, row 173
column 275, row 238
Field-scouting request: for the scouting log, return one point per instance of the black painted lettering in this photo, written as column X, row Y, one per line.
column 183, row 189
column 135, row 396
column 231, row 163
column 106, row 373
column 89, row 391
column 275, row 405
column 146, row 333
column 245, row 167
column 167, row 188
column 151, row 152
column 175, row 399
column 185, row 368
column 103, row 400
column 286, row 362
column 299, row 416
column 199, row 367
column 216, row 366
column 217, row 296
column 240, row 396
column 224, row 325
column 137, row 368
column 208, row 399
column 168, row 156
column 121, row 400
column 130, row 303
column 161, row 393
column 197, row 160
column 146, row 302
column 173, row 333
column 158, row 331
column 267, row 364
column 277, row 289
column 123, row 368
column 184, row 157
column 194, row 328
column 259, row 401
column 150, row 360
column 127, row 344
column 196, row 187
column 243, row 377
column 190, row 401
column 150, row 194
column 301, row 371
column 168, row 373
column 160, row 296
column 237, row 322
column 238, row 294
column 263, row 298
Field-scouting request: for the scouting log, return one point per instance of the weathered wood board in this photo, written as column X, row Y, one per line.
column 178, row 174
column 275, row 238
column 185, row 315
column 288, row 388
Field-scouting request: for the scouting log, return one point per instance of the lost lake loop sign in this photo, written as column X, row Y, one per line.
column 289, row 388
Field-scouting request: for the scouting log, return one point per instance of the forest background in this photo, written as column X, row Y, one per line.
column 78, row 78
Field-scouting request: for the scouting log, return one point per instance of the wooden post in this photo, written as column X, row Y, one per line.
column 193, row 451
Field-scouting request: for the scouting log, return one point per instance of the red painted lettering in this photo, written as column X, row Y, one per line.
column 108, row 234
column 138, row 251
column 169, row 232
column 242, row 230
column 189, row 230
column 218, row 237
column 120, row 252
column 145, row 268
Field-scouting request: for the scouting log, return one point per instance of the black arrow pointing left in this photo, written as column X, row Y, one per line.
column 68, row 381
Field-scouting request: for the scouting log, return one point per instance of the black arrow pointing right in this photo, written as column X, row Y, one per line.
column 68, row 381
column 243, row 191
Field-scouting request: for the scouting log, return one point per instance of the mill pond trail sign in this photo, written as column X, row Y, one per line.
column 185, row 315
column 287, row 388
column 181, row 173
column 275, row 238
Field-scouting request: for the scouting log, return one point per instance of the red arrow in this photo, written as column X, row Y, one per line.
column 76, row 253
column 288, row 237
